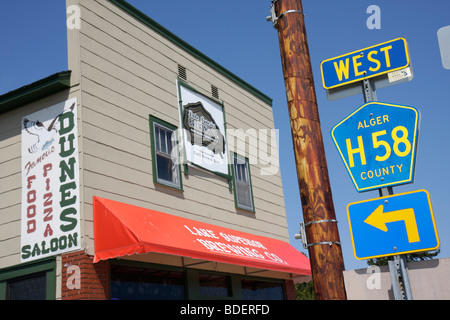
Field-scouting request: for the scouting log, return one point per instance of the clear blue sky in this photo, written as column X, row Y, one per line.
column 237, row 35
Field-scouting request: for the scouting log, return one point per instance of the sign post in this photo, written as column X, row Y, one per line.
column 398, row 267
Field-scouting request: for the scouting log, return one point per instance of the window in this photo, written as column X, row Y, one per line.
column 242, row 183
column 32, row 287
column 261, row 290
column 132, row 280
column 29, row 281
column 212, row 285
column 166, row 168
column 139, row 283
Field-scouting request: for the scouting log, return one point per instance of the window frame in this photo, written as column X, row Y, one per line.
column 154, row 121
column 250, row 186
column 47, row 266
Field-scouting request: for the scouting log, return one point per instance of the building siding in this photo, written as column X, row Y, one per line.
column 128, row 72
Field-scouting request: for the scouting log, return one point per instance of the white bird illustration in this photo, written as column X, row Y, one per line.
column 44, row 135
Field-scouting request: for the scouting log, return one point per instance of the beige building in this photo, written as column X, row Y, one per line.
column 428, row 280
column 145, row 165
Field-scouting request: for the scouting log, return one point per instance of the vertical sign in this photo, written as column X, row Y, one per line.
column 444, row 45
column 50, row 222
column 203, row 134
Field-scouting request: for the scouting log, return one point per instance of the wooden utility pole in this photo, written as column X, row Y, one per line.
column 315, row 192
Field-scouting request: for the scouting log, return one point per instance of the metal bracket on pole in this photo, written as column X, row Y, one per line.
column 302, row 235
column 400, row 278
column 369, row 91
column 273, row 16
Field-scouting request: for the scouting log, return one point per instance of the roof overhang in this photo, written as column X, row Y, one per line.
column 35, row 91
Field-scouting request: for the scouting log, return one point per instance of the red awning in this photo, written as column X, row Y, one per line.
column 121, row 229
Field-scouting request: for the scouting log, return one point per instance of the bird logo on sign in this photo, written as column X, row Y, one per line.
column 45, row 134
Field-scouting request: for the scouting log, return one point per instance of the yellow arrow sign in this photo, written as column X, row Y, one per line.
column 379, row 219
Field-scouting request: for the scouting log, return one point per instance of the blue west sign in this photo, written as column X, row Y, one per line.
column 365, row 63
column 391, row 225
column 377, row 144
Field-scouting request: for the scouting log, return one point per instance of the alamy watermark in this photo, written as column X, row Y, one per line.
column 73, row 21
column 73, row 274
column 374, row 280
column 259, row 146
column 261, row 149
column 374, row 20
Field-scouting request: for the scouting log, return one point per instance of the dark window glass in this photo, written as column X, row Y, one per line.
column 31, row 287
column 165, row 168
column 243, row 190
column 261, row 290
column 215, row 285
column 130, row 283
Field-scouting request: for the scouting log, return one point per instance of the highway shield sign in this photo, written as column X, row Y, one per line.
column 378, row 144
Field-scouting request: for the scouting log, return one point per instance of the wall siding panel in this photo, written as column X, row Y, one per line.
column 129, row 72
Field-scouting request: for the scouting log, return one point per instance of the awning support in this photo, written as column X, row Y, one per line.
column 253, row 272
column 193, row 264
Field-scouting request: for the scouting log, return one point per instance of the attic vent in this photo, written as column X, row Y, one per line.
column 182, row 72
column 215, row 91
